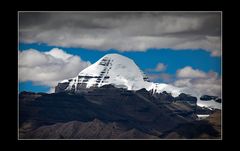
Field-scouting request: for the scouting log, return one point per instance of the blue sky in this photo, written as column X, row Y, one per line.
column 173, row 59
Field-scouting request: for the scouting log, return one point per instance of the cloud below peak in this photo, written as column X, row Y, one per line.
column 198, row 82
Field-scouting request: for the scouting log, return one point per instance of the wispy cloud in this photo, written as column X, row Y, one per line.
column 161, row 77
column 159, row 68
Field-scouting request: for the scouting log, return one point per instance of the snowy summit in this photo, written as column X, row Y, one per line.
column 117, row 70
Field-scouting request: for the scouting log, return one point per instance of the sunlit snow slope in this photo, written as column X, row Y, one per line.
column 119, row 71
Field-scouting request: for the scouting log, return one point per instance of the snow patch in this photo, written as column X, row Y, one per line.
column 209, row 104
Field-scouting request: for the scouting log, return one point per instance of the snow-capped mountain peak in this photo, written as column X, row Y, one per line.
column 118, row 70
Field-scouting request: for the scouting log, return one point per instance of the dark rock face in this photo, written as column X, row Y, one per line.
column 186, row 98
column 208, row 97
column 107, row 86
column 61, row 87
column 218, row 100
column 164, row 96
column 203, row 110
column 105, row 112
column 146, row 94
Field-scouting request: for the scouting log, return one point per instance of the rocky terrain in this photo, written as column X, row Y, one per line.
column 114, row 113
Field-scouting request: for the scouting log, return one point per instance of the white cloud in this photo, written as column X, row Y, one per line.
column 198, row 82
column 182, row 83
column 189, row 72
column 48, row 68
column 59, row 53
column 160, row 67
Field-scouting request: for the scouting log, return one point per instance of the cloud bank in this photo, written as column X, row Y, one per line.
column 198, row 82
column 124, row 31
column 48, row 68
